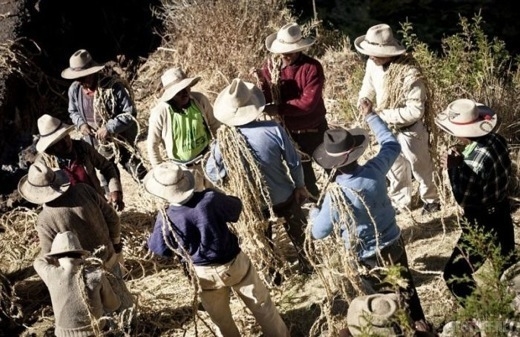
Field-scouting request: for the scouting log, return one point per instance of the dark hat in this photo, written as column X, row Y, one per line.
column 341, row 147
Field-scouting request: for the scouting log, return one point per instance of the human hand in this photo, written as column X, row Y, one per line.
column 365, row 106
column 257, row 73
column 102, row 133
column 451, row 158
column 85, row 129
column 116, row 199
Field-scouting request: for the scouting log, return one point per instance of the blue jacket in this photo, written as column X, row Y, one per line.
column 369, row 181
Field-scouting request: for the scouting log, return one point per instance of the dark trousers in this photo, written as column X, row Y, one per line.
column 395, row 254
column 464, row 262
column 307, row 143
column 294, row 225
column 132, row 164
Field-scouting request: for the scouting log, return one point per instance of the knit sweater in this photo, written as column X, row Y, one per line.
column 65, row 285
column 83, row 211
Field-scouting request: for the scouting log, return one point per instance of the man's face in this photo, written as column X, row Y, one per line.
column 380, row 61
column 62, row 148
column 289, row 58
column 182, row 98
column 89, row 81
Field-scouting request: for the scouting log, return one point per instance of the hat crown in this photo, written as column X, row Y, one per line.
column 47, row 125
column 65, row 242
column 40, row 175
column 168, row 175
column 337, row 141
column 463, row 111
column 172, row 76
column 238, row 94
column 289, row 33
column 80, row 60
column 380, row 35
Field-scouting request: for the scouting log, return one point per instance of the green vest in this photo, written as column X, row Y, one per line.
column 189, row 132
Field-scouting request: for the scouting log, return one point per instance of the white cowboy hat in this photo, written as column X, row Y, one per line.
column 341, row 147
column 372, row 313
column 379, row 41
column 42, row 184
column 170, row 182
column 174, row 80
column 66, row 242
column 466, row 118
column 81, row 64
column 51, row 131
column 288, row 40
column 239, row 103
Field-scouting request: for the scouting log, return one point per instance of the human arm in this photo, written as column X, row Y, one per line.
column 207, row 112
column 156, row 123
column 389, row 146
column 367, row 90
column 322, row 219
column 110, row 216
column 76, row 114
column 109, row 298
column 156, row 241
column 215, row 169
column 122, row 110
column 44, row 266
column 230, row 206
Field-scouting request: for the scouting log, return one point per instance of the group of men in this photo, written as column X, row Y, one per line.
column 184, row 125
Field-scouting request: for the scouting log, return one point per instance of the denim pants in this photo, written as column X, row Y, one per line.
column 216, row 283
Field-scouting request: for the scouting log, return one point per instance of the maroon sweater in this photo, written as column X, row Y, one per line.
column 301, row 90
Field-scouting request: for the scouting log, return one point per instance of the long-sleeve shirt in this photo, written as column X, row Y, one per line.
column 83, row 211
column 161, row 127
column 120, row 108
column 87, row 156
column 369, row 182
column 200, row 227
column 301, row 93
column 483, row 178
column 413, row 101
column 274, row 153
column 71, row 315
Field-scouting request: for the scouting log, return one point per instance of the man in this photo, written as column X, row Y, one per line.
column 238, row 106
column 77, row 158
column 60, row 269
column 371, row 232
column 479, row 169
column 183, row 123
column 195, row 227
column 294, row 84
column 102, row 108
column 395, row 85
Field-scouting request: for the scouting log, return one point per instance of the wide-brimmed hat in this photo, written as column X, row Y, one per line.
column 170, row 182
column 173, row 81
column 51, row 130
column 66, row 242
column 372, row 313
column 467, row 118
column 288, row 40
column 81, row 64
column 379, row 41
column 341, row 147
column 43, row 184
column 239, row 103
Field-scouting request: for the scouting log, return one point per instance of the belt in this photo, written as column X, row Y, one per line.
column 304, row 131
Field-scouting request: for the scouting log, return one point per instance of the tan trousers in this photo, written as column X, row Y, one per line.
column 216, row 283
column 414, row 160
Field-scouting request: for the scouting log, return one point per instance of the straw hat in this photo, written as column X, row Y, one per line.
column 379, row 41
column 239, row 103
column 466, row 118
column 170, row 182
column 341, row 147
column 42, row 184
column 81, row 64
column 66, row 242
column 373, row 312
column 51, row 131
column 288, row 40
column 174, row 80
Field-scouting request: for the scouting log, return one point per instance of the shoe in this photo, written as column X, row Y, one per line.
column 430, row 208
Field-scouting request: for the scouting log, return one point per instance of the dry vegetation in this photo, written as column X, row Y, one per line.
column 222, row 40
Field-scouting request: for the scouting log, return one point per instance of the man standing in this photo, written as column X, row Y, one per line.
column 102, row 108
column 293, row 82
column 479, row 170
column 183, row 123
column 195, row 226
column 395, row 85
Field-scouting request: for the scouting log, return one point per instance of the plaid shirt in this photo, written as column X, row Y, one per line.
column 483, row 177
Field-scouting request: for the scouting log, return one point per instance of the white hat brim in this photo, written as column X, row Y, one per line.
column 242, row 115
column 152, row 186
column 377, row 51
column 43, row 194
column 47, row 141
column 71, row 74
column 479, row 128
column 276, row 47
column 173, row 90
